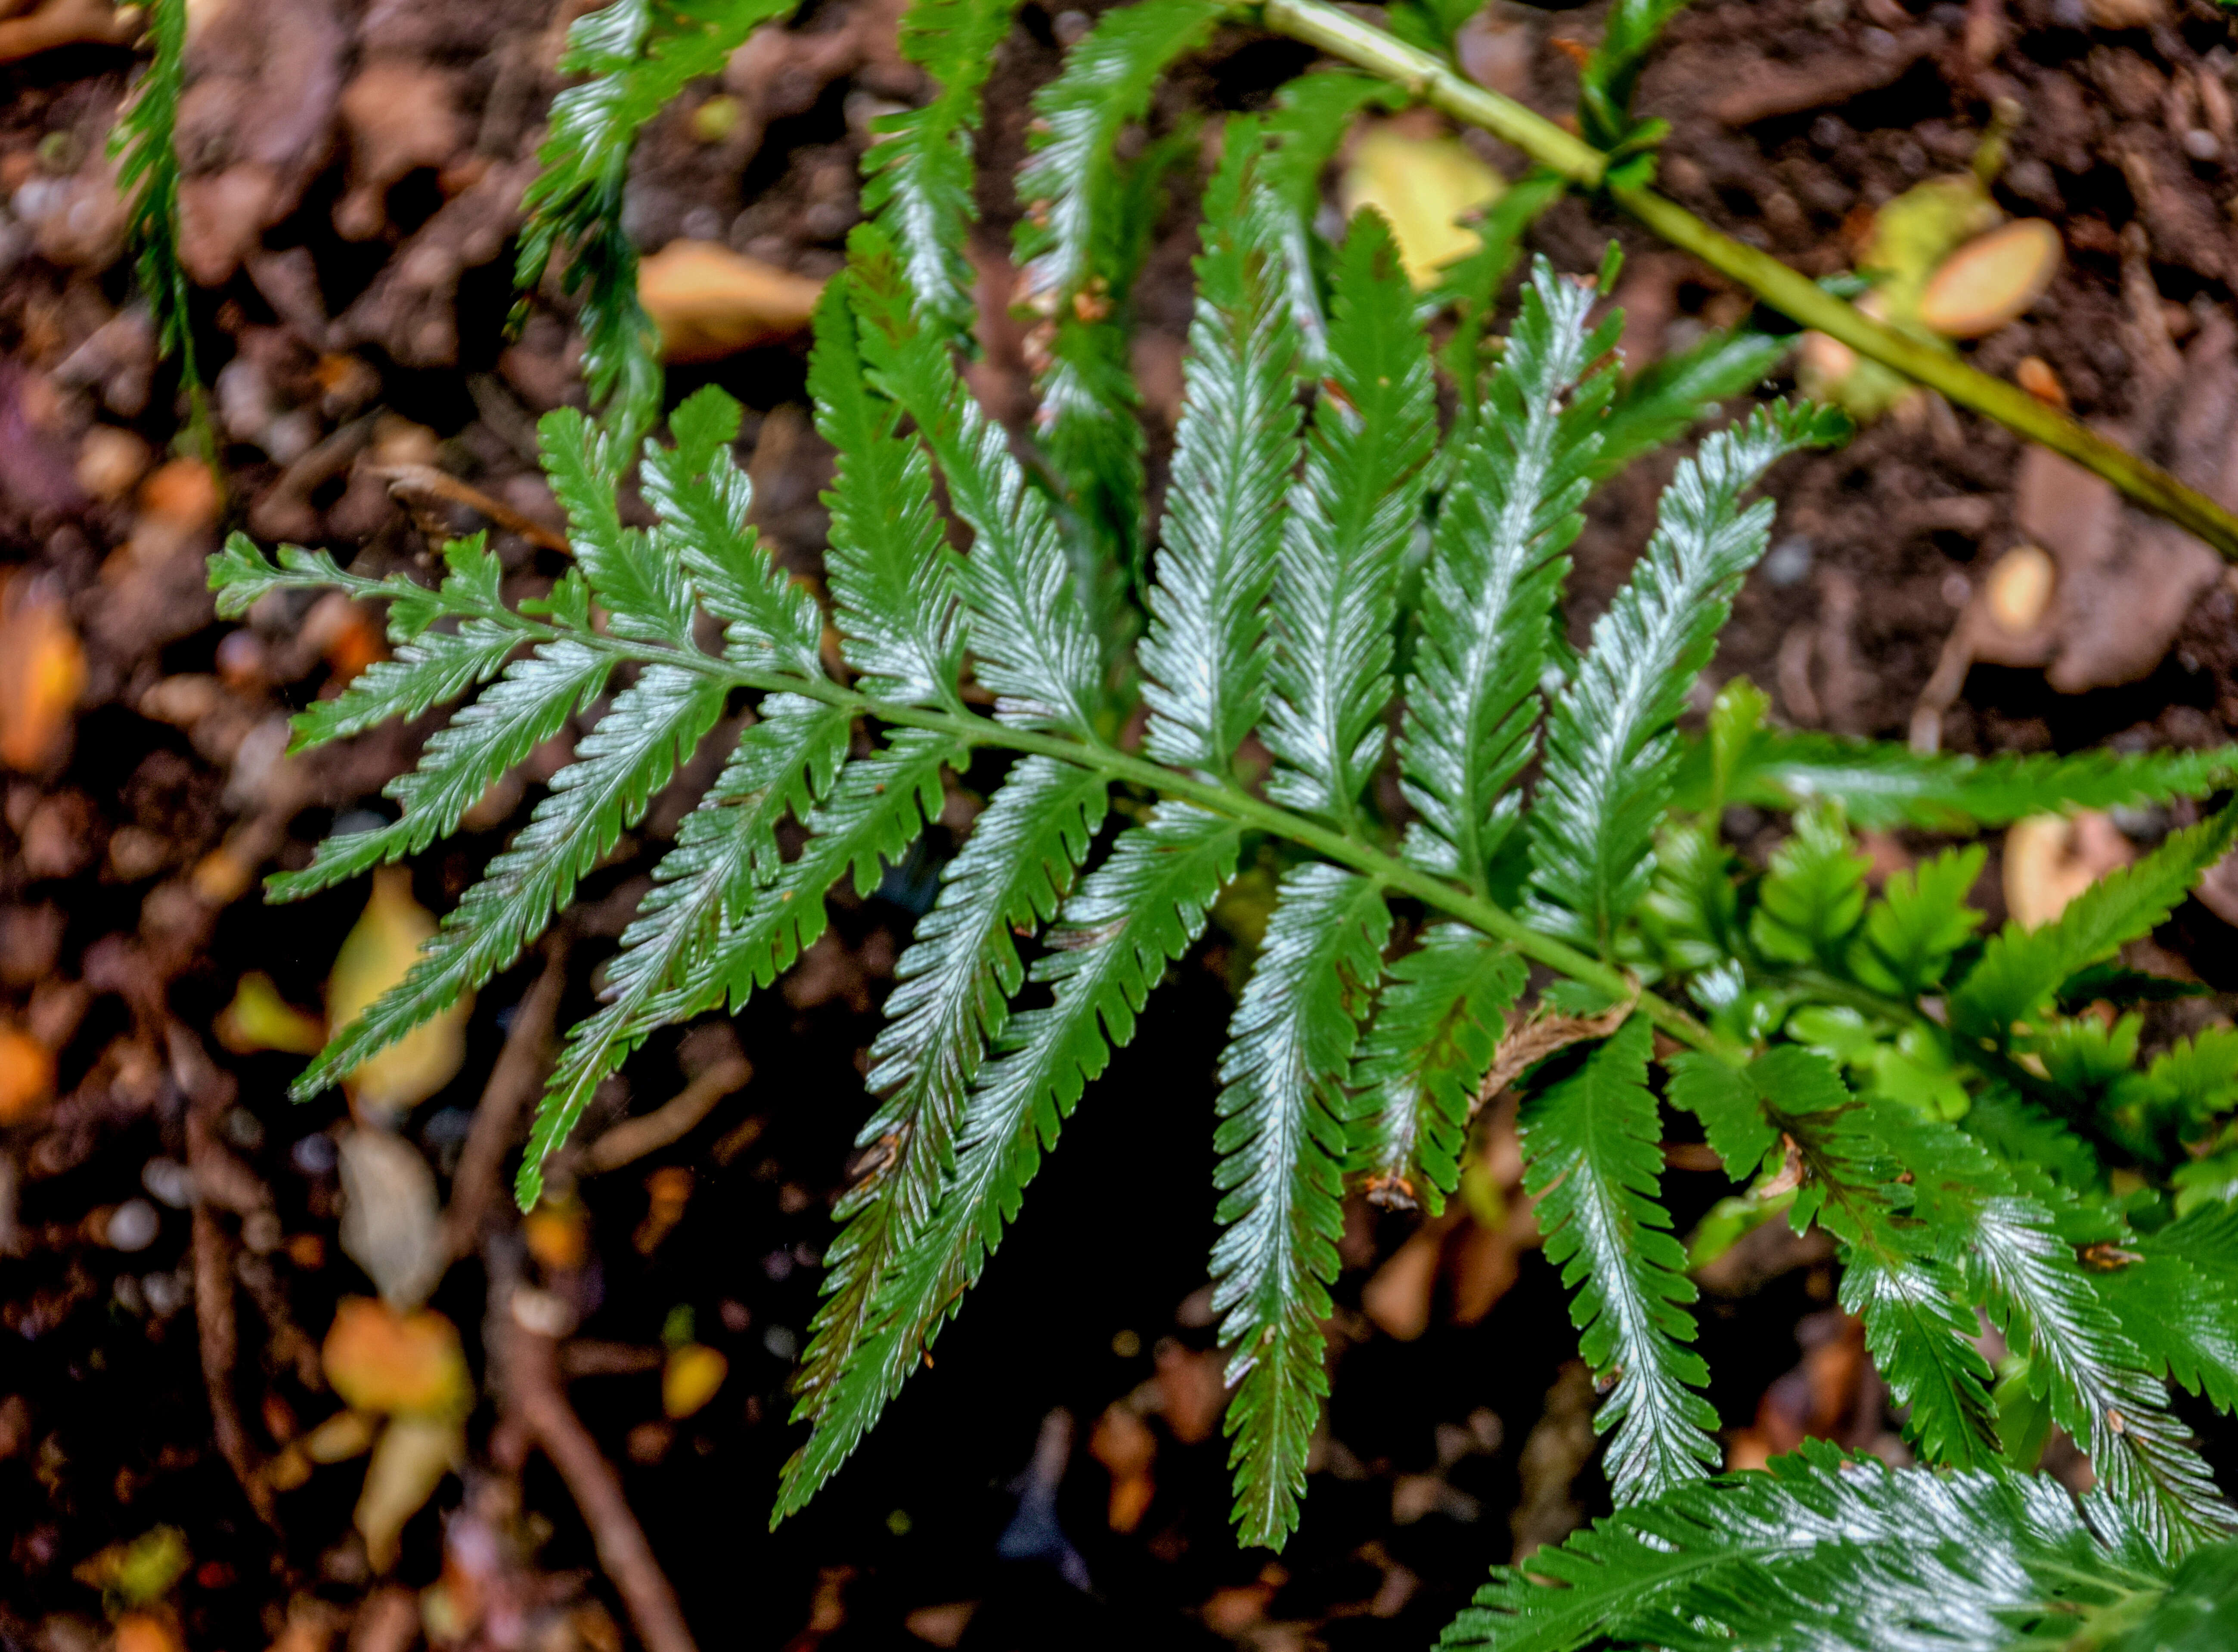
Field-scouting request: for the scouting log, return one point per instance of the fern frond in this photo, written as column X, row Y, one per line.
column 1916, row 927
column 1029, row 629
column 1281, row 1147
column 725, row 848
column 916, row 173
column 1437, row 1021
column 950, row 1000
column 1205, row 656
column 638, row 55
column 2178, row 1301
column 1610, row 748
column 2101, row 1386
column 428, row 666
column 1883, row 785
column 1606, row 83
column 1591, row 1156
column 1497, row 564
column 1813, row 895
column 1132, row 916
column 144, row 148
column 1822, row 1550
column 652, row 726
column 1919, row 1324
column 2020, row 969
column 527, row 706
column 893, row 575
column 644, row 591
column 1334, row 599
column 1302, row 131
column 1077, row 246
column 1669, row 396
column 1472, row 286
column 770, row 623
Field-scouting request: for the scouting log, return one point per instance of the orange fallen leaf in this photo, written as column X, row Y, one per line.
column 184, row 493
column 556, row 1235
column 381, row 1360
column 27, row 1076
column 691, row 1378
column 710, row 301
column 147, row 1632
column 41, row 674
column 1992, row 281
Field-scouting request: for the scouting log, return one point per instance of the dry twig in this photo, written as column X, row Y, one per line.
column 632, row 1138
column 512, row 1084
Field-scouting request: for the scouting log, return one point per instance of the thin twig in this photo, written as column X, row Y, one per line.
column 425, row 481
column 1341, row 35
column 529, row 1369
column 513, row 1082
column 632, row 1138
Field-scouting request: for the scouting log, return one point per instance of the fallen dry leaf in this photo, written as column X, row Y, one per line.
column 391, row 1226
column 381, row 1360
column 148, row 1632
column 1397, row 1297
column 1992, row 280
column 375, row 957
column 710, row 301
column 260, row 1019
column 27, row 1076
column 2019, row 588
column 1424, row 187
column 1192, row 1388
column 409, row 1461
column 41, row 674
column 558, row 1235
column 691, row 1377
column 2051, row 859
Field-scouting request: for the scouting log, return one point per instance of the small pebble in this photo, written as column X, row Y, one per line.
column 1788, row 563
column 780, row 1343
column 313, row 1155
column 132, row 1226
column 170, row 1181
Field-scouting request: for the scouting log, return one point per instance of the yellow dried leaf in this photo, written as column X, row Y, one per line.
column 41, row 674
column 1423, row 187
column 260, row 1019
column 2019, row 589
column 381, row 1360
column 1992, row 281
column 691, row 1377
column 710, row 301
column 374, row 957
column 409, row 1461
column 139, row 1571
column 2051, row 859
column 344, row 1436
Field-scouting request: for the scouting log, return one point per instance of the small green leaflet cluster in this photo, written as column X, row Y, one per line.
column 1340, row 588
column 637, row 56
column 145, row 150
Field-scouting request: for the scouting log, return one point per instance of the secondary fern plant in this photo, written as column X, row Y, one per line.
column 1341, row 592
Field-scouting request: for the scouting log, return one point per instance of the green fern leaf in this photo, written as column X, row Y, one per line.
column 652, row 726
column 1302, row 132
column 638, row 56
column 1881, row 785
column 725, row 848
column 950, row 1000
column 643, row 589
column 2100, row 1385
column 1497, row 564
column 892, row 574
column 1438, row 1019
column 1814, row 895
column 2020, row 969
column 1591, row 1158
column 147, row 159
column 2178, row 1301
column 1610, row 748
column 1604, row 84
column 1281, row 1147
column 1028, row 630
column 527, row 706
column 1233, row 452
column 429, row 667
column 771, row 623
column 916, row 173
column 1077, row 246
column 1918, row 924
column 1335, row 598
column 1823, row 1552
column 1919, row 1326
column 1136, row 913
column 1669, row 397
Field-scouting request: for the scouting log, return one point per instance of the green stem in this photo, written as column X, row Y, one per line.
column 1342, row 35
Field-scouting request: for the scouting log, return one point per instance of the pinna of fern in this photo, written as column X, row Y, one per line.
column 1909, row 1080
